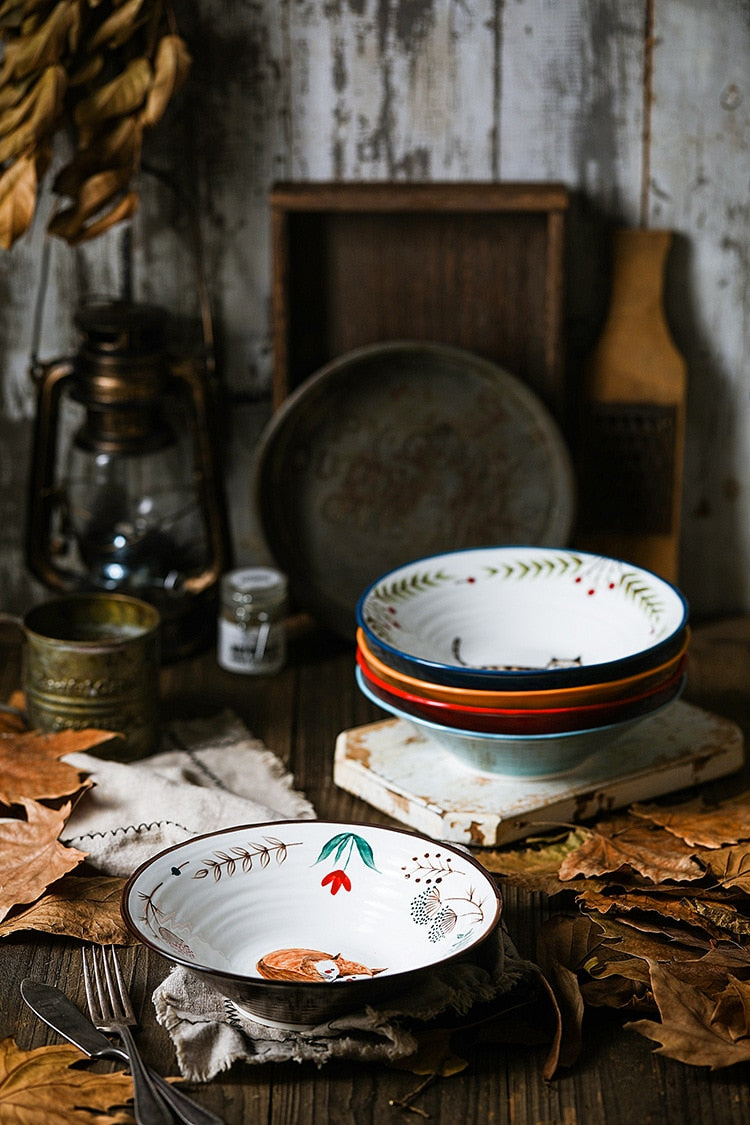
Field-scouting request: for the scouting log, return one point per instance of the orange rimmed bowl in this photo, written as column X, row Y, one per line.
column 574, row 696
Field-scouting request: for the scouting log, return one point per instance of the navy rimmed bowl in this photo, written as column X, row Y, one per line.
column 515, row 618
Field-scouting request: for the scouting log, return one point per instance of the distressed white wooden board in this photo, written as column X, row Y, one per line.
column 570, row 105
column 440, row 89
column 225, row 142
column 700, row 156
column 397, row 769
column 378, row 91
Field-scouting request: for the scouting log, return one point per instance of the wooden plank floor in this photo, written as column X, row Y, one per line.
column 298, row 714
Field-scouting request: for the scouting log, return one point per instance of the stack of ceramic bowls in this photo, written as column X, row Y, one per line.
column 522, row 660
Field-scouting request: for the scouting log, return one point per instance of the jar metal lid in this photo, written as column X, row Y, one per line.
column 253, row 585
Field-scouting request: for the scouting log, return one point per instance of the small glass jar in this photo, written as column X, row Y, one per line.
column 252, row 630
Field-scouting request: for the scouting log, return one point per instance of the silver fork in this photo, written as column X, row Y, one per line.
column 111, row 1011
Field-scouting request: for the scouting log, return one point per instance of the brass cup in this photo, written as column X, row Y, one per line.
column 92, row 661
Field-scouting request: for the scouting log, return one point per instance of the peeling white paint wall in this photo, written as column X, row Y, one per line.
column 442, row 90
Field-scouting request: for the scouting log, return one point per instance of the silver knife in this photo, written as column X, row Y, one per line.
column 61, row 1014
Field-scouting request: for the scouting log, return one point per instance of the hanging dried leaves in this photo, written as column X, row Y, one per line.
column 661, row 927
column 105, row 70
column 43, row 1087
column 18, row 186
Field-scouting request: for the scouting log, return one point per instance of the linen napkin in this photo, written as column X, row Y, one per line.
column 211, row 1034
column 211, row 773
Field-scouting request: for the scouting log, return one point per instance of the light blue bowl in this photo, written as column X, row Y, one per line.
column 533, row 756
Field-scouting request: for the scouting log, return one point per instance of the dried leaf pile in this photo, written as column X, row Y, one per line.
column 102, row 70
column 659, row 929
column 40, row 887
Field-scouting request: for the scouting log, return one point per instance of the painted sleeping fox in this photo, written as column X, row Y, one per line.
column 311, row 966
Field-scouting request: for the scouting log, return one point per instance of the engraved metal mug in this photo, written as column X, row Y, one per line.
column 92, row 661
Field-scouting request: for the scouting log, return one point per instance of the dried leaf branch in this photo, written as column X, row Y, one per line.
column 103, row 71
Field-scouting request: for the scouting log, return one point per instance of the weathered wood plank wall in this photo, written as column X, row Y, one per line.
column 642, row 107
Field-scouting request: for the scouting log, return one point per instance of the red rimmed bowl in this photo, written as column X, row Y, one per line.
column 575, row 696
column 559, row 720
column 498, row 720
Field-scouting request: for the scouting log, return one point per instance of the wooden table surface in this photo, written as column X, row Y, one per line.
column 298, row 714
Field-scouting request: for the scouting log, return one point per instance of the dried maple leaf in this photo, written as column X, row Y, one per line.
column 669, row 938
column 31, row 857
column 626, row 941
column 592, row 949
column 728, row 823
column 29, row 766
column 17, row 699
column 689, row 1030
column 732, row 1009
column 723, row 917
column 563, row 944
column 710, row 972
column 42, row 1087
column 77, row 907
column 610, row 961
column 652, row 852
column 666, row 894
column 11, row 723
column 617, row 991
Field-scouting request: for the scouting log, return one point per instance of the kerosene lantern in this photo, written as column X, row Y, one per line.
column 125, row 492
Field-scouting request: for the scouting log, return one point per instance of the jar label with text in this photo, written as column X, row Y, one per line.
column 254, row 649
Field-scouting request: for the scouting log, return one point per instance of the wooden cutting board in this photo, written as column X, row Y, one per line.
column 633, row 416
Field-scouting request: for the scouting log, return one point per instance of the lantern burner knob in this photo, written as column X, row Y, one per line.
column 121, row 328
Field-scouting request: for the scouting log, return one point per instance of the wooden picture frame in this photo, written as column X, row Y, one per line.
column 478, row 266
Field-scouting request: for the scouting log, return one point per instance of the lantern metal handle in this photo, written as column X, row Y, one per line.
column 44, row 497
column 207, row 477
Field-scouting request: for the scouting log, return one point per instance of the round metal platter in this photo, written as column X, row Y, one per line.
column 398, row 451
